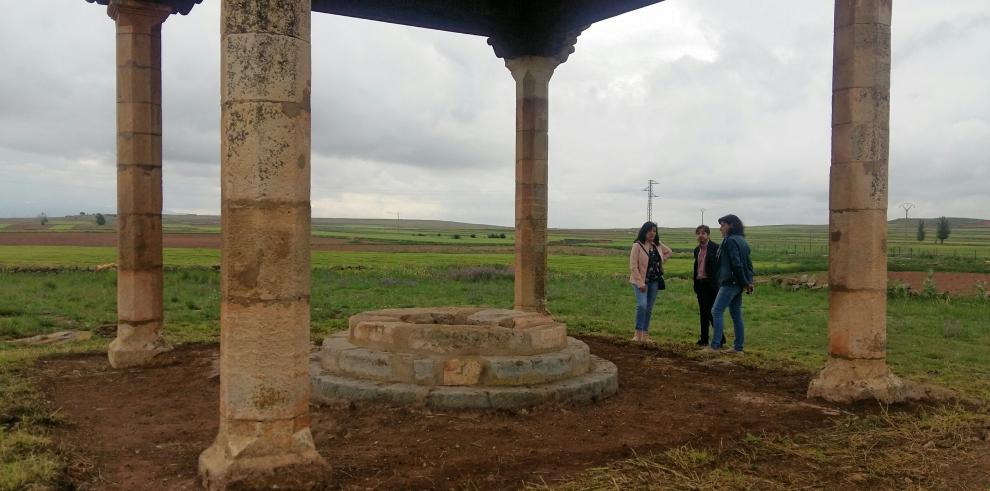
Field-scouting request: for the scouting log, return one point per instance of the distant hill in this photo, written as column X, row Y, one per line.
column 956, row 223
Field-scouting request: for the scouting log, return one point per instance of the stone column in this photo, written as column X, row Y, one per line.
column 532, row 75
column 857, row 326
column 265, row 267
column 139, row 182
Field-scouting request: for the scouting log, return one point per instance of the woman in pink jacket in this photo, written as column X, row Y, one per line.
column 646, row 274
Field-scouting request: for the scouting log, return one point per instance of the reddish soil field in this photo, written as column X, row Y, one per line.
column 212, row 241
column 953, row 283
column 144, row 428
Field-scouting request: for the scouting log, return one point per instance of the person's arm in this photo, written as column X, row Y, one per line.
column 736, row 267
column 665, row 252
column 637, row 276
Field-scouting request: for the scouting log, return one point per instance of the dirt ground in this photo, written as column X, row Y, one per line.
column 144, row 428
column 212, row 241
column 953, row 283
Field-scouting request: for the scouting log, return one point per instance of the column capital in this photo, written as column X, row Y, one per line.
column 541, row 67
column 535, row 42
column 138, row 13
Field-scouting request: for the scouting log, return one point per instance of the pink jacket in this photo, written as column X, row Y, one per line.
column 639, row 260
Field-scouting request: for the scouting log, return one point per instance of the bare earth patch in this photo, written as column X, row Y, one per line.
column 145, row 428
column 953, row 283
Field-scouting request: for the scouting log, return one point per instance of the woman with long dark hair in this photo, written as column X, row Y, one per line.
column 735, row 276
column 646, row 274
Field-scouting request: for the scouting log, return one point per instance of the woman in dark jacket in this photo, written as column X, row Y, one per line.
column 735, row 276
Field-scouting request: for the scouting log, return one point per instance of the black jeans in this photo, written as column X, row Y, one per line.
column 706, row 299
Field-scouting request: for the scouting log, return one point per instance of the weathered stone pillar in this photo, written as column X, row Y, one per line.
column 532, row 75
column 139, row 182
column 265, row 268
column 857, row 326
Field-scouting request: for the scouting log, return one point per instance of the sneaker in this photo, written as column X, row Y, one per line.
column 709, row 349
column 736, row 351
column 702, row 342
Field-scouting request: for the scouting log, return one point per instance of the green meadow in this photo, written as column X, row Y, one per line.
column 932, row 339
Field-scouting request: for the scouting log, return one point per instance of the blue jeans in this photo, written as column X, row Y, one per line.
column 644, row 304
column 728, row 296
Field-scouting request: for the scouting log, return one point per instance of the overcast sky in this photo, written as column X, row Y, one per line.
column 726, row 103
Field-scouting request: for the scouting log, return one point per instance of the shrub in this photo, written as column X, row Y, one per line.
column 481, row 273
column 100, row 219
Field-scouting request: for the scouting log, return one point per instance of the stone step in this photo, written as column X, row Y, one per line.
column 599, row 382
column 340, row 356
column 457, row 331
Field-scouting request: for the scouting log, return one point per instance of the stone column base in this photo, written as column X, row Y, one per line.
column 260, row 455
column 137, row 346
column 845, row 381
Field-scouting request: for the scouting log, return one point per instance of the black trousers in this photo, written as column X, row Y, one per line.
column 706, row 299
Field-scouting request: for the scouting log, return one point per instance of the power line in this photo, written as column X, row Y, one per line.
column 907, row 207
column 649, row 199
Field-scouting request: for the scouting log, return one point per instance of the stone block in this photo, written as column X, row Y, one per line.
column 286, row 17
column 368, row 364
column 246, row 454
column 136, row 346
column 266, row 252
column 137, row 49
column 861, row 105
column 459, row 397
column 861, row 57
column 356, row 319
column 494, row 317
column 265, row 152
column 859, row 142
column 258, row 385
column 858, row 250
column 266, row 67
column 378, row 334
column 139, row 296
column 858, row 186
column 461, row 371
column 531, row 182
column 846, row 381
column 857, row 324
column 532, row 145
column 139, row 117
column 849, row 12
column 139, row 84
column 331, row 347
column 139, row 149
column 552, row 337
column 532, row 113
column 139, row 241
column 533, row 320
column 139, row 190
column 425, row 372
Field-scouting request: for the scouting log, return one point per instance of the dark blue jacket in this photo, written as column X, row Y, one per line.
column 734, row 265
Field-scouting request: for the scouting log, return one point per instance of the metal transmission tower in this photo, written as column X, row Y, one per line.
column 907, row 207
column 703, row 210
column 649, row 199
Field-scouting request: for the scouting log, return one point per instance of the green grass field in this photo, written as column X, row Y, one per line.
column 937, row 340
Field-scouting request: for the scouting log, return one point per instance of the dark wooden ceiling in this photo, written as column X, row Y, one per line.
column 514, row 27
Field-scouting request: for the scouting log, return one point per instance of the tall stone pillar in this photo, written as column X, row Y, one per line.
column 532, row 75
column 265, row 267
column 139, row 182
column 857, row 326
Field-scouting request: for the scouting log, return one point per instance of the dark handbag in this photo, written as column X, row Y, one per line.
column 661, row 285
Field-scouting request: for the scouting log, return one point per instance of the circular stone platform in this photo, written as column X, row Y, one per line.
column 458, row 358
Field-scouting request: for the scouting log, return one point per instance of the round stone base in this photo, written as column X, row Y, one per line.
column 599, row 382
column 846, row 381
